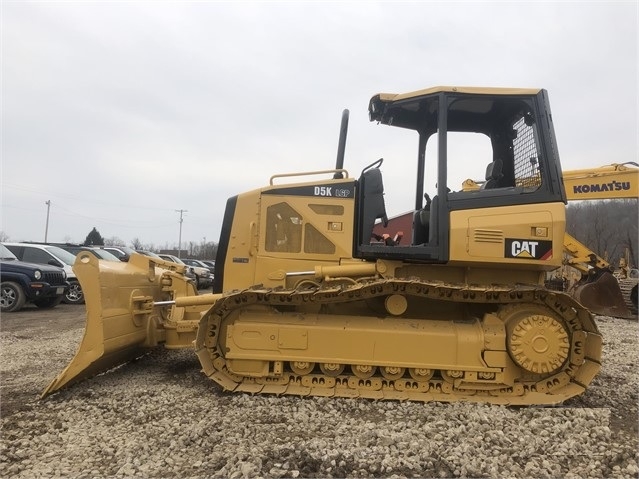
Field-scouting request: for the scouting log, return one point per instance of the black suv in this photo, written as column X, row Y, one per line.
column 22, row 283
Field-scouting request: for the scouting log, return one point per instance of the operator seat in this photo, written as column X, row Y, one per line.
column 371, row 203
column 494, row 173
column 421, row 222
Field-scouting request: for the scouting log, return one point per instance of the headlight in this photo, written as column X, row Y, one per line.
column 64, row 275
column 37, row 274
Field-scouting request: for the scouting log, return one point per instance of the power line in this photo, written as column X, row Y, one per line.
column 82, row 198
column 180, row 239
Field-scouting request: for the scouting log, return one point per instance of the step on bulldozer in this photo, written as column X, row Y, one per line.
column 306, row 301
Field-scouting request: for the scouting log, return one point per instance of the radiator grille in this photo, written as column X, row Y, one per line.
column 488, row 236
column 53, row 278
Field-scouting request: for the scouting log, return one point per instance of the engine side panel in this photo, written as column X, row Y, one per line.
column 523, row 236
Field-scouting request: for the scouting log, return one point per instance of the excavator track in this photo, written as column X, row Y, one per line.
column 519, row 345
column 628, row 288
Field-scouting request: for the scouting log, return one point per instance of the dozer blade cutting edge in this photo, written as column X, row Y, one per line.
column 602, row 296
column 118, row 324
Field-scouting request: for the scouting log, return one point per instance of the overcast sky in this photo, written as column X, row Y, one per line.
column 121, row 113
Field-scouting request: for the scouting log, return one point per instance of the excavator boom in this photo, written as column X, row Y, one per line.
column 615, row 181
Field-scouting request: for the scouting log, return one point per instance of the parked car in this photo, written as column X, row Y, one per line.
column 189, row 273
column 210, row 264
column 53, row 256
column 148, row 253
column 121, row 252
column 199, row 263
column 203, row 277
column 22, row 283
column 98, row 252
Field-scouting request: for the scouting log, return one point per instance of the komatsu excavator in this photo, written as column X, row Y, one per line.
column 600, row 288
column 306, row 302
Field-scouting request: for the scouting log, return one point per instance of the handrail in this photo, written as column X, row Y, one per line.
column 308, row 173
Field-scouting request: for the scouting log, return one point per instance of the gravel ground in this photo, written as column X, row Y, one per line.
column 160, row 417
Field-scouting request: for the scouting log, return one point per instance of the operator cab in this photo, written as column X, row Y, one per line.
column 523, row 168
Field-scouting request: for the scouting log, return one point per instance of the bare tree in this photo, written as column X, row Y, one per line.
column 136, row 244
column 114, row 241
column 607, row 227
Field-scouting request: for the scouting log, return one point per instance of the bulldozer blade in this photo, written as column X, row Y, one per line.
column 116, row 329
column 602, row 296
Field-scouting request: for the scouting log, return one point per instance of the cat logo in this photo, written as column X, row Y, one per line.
column 528, row 249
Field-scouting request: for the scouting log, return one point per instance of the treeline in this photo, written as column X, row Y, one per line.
column 191, row 249
column 608, row 228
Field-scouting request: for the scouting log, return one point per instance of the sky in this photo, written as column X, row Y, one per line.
column 122, row 113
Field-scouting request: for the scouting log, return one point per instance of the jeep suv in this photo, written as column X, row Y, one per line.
column 54, row 256
column 22, row 283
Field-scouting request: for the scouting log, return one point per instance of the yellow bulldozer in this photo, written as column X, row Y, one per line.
column 307, row 302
